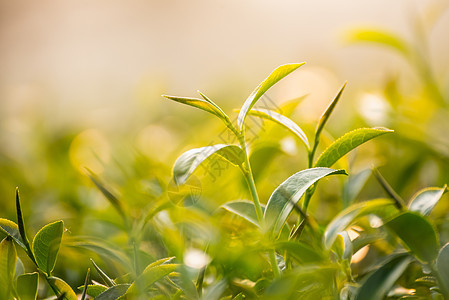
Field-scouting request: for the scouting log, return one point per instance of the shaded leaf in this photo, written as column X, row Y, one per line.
column 383, row 208
column 46, row 246
column 215, row 290
column 417, row 234
column 288, row 193
column 8, row 258
column 94, row 290
column 206, row 105
column 114, row 292
column 281, row 120
column 27, row 286
column 443, row 269
column 380, row 37
column 86, row 283
column 426, row 199
column 106, row 279
column 346, row 143
column 353, row 186
column 279, row 73
column 378, row 283
column 244, row 209
column 300, row 251
column 187, row 163
column 61, row 287
column 10, row 228
column 21, row 225
column 149, row 276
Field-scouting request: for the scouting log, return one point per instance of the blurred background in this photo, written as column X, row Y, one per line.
column 80, row 87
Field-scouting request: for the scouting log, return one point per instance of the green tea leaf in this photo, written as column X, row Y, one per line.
column 114, row 292
column 426, row 199
column 86, row 283
column 281, row 120
column 383, row 208
column 8, row 258
column 150, row 275
column 300, row 251
column 353, row 186
column 244, row 209
column 94, row 290
column 378, row 283
column 346, row 143
column 10, row 228
column 417, row 234
column 206, row 105
column 107, row 280
column 61, row 287
column 46, row 246
column 442, row 267
column 187, row 163
column 21, row 225
column 288, row 193
column 271, row 80
column 343, row 246
column 27, row 285
column 380, row 37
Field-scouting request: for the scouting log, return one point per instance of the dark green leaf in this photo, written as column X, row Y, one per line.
column 21, row 225
column 27, row 286
column 383, row 208
column 244, row 209
column 61, row 287
column 46, row 246
column 8, row 258
column 114, row 292
column 417, row 234
column 206, row 105
column 289, row 192
column 378, row 283
column 443, row 269
column 281, row 120
column 346, row 143
column 187, row 163
column 10, row 228
column 86, row 283
column 426, row 199
column 300, row 251
column 271, row 80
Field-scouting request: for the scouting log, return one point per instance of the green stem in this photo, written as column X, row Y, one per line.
column 274, row 263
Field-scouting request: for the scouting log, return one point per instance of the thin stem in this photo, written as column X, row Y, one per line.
column 274, row 263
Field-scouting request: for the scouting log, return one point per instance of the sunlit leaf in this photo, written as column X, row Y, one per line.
column 8, row 258
column 281, row 120
column 288, row 193
column 442, row 267
column 346, row 143
column 378, row 283
column 94, row 290
column 383, row 208
column 27, row 286
column 205, row 105
column 149, row 276
column 244, row 209
column 114, row 292
column 343, row 246
column 417, row 234
column 380, row 37
column 426, row 199
column 10, row 228
column 187, row 163
column 272, row 79
column 46, row 246
column 61, row 287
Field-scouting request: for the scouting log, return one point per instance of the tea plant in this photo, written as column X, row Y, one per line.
column 371, row 250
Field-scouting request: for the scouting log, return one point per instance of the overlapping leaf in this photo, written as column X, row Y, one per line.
column 425, row 200
column 244, row 209
column 27, row 285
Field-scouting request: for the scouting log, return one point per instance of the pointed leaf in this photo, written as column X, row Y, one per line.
column 378, row 283
column 8, row 258
column 114, row 292
column 271, row 80
column 346, row 143
column 289, row 192
column 187, row 163
column 281, row 120
column 244, row 209
column 205, row 105
column 27, row 285
column 21, row 225
column 61, row 287
column 149, row 276
column 380, row 37
column 10, row 228
column 426, row 199
column 442, row 267
column 417, row 234
column 383, row 208
column 86, row 283
column 107, row 280
column 46, row 246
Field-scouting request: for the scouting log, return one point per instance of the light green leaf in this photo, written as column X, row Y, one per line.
column 206, row 105
column 107, row 280
column 288, row 193
column 417, row 234
column 343, row 246
column 8, row 258
column 426, row 199
column 442, row 267
column 94, row 290
column 378, row 283
column 301, row 252
column 271, row 80
column 244, row 209
column 346, row 143
column 114, row 292
column 187, row 163
column 380, row 37
column 27, row 285
column 10, row 228
column 281, row 120
column 61, row 287
column 46, row 246
column 383, row 208
column 149, row 276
